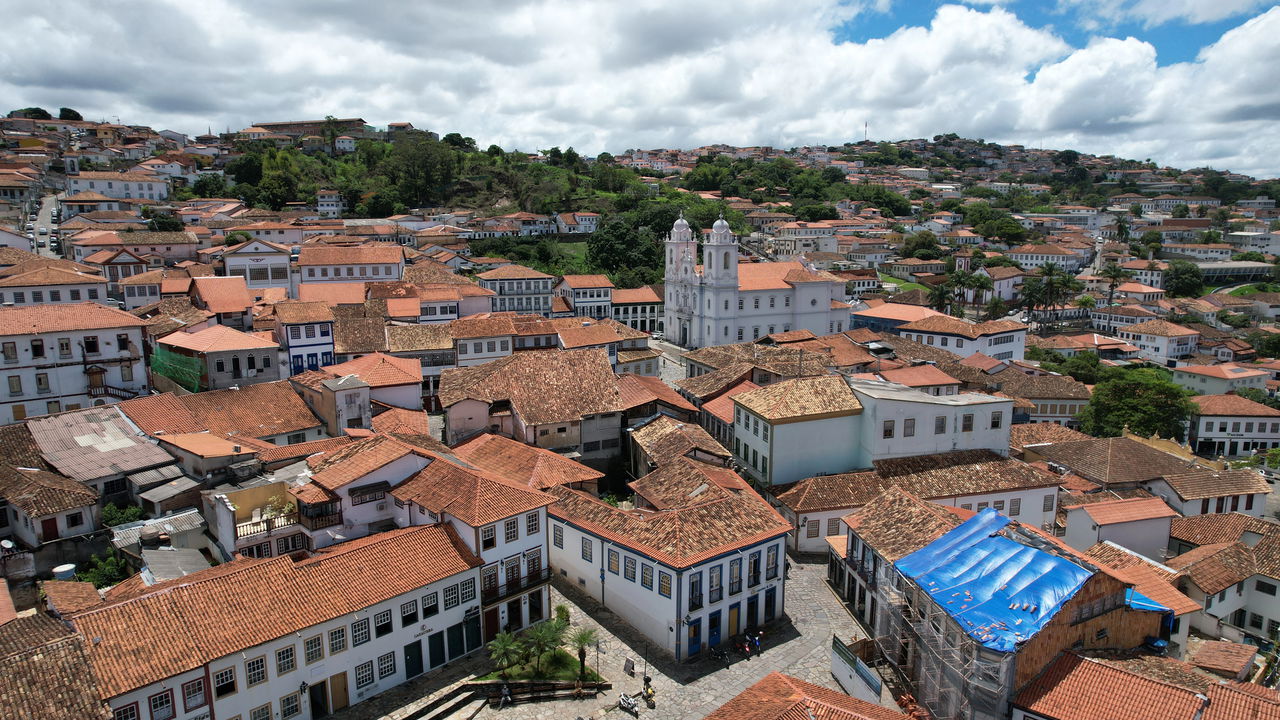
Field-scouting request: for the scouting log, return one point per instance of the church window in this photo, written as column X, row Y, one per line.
column 739, row 303
column 786, row 301
column 755, row 303
column 726, row 260
column 772, row 299
column 739, row 334
column 726, row 303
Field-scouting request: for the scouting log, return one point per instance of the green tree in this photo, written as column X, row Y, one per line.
column 1259, row 397
column 1183, row 279
column 34, row 113
column 209, row 185
column 69, row 114
column 1139, row 399
column 1234, row 320
column 236, row 237
column 542, row 639
column 505, row 651
column 1253, row 255
column 923, row 240
column 1181, row 211
column 1085, row 302
column 995, row 309
column 1084, row 366
column 1135, row 210
column 105, row 571
column 1115, row 276
column 581, row 639
column 165, row 223
column 1041, row 355
column 277, row 188
column 113, row 514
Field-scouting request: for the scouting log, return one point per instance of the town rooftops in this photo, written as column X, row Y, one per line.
column 664, row 438
column 471, row 493
column 93, row 443
column 579, row 282
column 545, row 386
column 896, row 523
column 381, row 254
column 947, row 325
column 1081, row 688
column 39, row 492
column 380, row 370
column 1211, row 528
column 292, row 312
column 1214, row 568
column 165, row 630
column 216, row 338
column 38, row 319
column 513, row 272
column 1022, row 435
column 1232, row 405
column 1226, row 371
column 1207, row 483
column 1114, row 460
column 1115, row 512
column 259, row 410
column 1224, row 658
column 635, row 296
column 781, row 697
column 801, row 399
column 711, row 518
column 538, row 467
column 223, row 294
column 43, row 672
column 1158, row 328
column 898, row 311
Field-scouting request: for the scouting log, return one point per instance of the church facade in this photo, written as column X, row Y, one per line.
column 720, row 302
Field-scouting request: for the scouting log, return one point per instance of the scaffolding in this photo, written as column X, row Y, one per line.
column 948, row 672
column 185, row 371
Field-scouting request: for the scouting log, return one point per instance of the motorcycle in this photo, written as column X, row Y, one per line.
column 718, row 653
column 628, row 704
column 648, row 694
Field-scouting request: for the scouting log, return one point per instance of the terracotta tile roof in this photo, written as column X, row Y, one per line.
column 359, row 335
column 332, row 293
column 842, row 491
column 218, row 338
column 337, row 468
column 1118, row 557
column 1115, row 460
column 1214, row 568
column 401, row 420
column 169, row 628
column 800, row 398
column 1024, row 434
column 636, row 390
column 1212, row 528
column 954, row 326
column 1077, row 688
column 538, row 468
column 379, row 370
column 664, row 438
column 294, row 311
column 472, row 494
column 782, row 697
column 162, row 413
column 40, row 492
column 61, row 318
column 19, row 448
column 684, row 482
column 633, row 296
column 717, row 381
column 912, row 350
column 777, row 276
column 414, row 338
column 69, row 596
column 899, row 311
column 259, row 410
column 1206, row 483
column 1223, row 658
column 513, row 272
column 593, row 335
column 704, row 524
column 544, row 386
column 896, row 523
column 280, row 453
column 1242, row 701
column 1232, row 405
column 587, row 281
column 223, row 294
column 50, row 276
column 1114, row 512
column 1226, row 371
column 1161, row 328
column 721, row 406
column 381, row 254
column 44, row 673
column 92, row 443
column 918, row 376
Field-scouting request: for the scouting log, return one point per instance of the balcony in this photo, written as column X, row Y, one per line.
column 266, row 525
column 695, row 602
column 753, row 579
column 320, row 522
column 735, row 587
column 109, row 391
column 514, row 586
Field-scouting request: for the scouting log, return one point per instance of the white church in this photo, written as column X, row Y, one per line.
column 721, row 302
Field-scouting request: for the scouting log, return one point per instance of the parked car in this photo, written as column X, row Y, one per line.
column 43, row 230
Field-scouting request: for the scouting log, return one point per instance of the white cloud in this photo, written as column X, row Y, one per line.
column 610, row 76
column 1158, row 12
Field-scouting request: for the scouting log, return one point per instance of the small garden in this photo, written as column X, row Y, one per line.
column 538, row 654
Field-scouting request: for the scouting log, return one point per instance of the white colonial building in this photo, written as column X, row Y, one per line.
column 720, row 302
column 65, row 357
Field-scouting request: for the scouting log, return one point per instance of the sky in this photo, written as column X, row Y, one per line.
column 1186, row 83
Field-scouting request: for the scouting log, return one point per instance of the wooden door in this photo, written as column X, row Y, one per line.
column 733, row 619
column 49, row 529
column 338, row 691
column 492, row 624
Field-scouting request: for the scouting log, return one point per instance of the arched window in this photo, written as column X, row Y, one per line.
column 726, row 260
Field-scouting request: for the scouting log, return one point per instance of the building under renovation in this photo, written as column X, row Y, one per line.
column 965, row 612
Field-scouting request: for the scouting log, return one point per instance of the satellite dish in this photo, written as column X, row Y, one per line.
column 6, row 544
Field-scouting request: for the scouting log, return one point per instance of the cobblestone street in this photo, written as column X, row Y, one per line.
column 799, row 645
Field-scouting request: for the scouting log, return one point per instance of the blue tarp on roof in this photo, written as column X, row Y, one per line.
column 1138, row 601
column 999, row 591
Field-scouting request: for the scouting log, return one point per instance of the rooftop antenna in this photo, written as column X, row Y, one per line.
column 864, row 131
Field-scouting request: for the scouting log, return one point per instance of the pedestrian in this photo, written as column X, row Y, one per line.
column 506, row 697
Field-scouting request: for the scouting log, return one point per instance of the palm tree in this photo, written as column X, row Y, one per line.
column 940, row 297
column 581, row 639
column 1033, row 293
column 1114, row 275
column 1086, row 302
column 544, row 638
column 980, row 284
column 995, row 310
column 505, row 650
